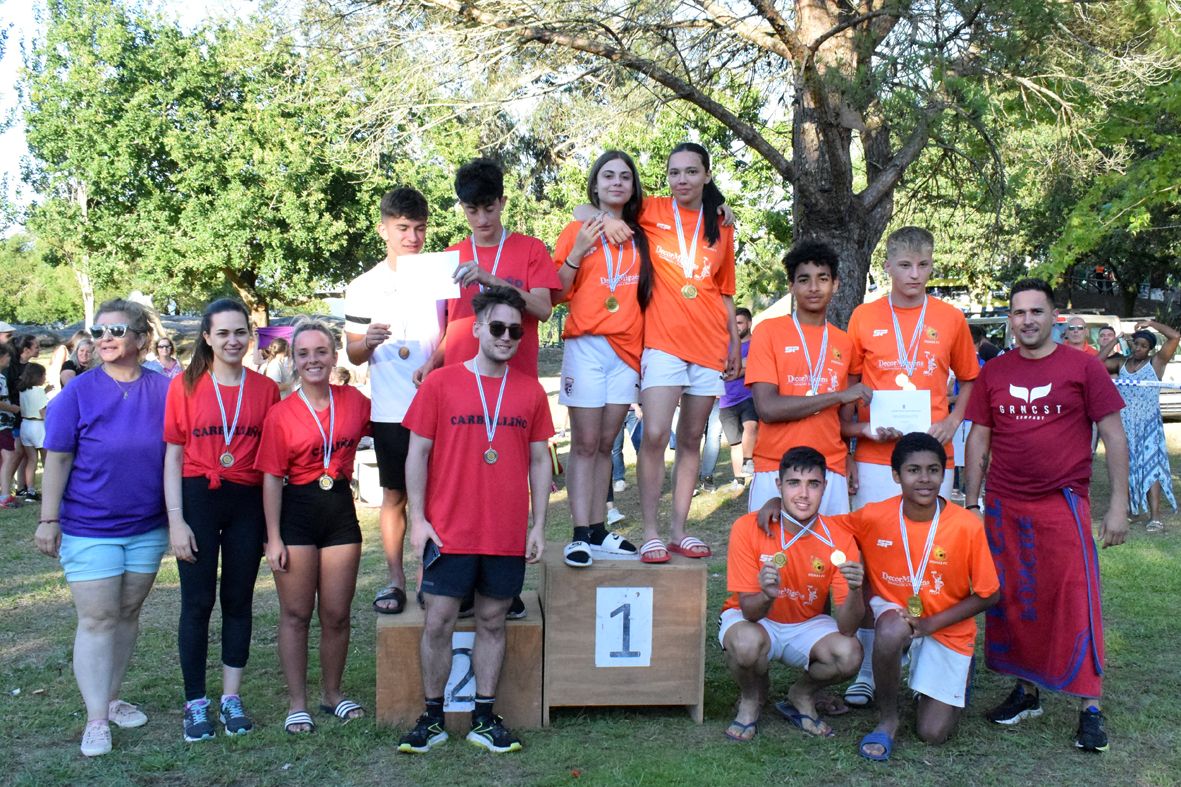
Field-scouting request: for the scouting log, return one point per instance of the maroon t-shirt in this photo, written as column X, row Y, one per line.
column 1040, row 412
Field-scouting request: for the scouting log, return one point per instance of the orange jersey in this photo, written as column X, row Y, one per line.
column 695, row 329
column 804, row 581
column 945, row 346
column 960, row 563
column 589, row 315
column 777, row 357
column 1088, row 349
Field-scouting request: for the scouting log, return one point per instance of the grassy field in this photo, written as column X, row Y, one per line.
column 43, row 715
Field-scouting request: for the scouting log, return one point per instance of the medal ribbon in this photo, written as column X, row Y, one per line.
column 614, row 275
column 916, row 582
column 228, row 430
column 817, row 371
column 499, row 249
column 908, row 357
column 490, row 426
column 327, row 438
column 803, row 530
column 688, row 257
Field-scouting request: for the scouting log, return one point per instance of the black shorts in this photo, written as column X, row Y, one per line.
column 392, row 443
column 314, row 517
column 732, row 418
column 493, row 576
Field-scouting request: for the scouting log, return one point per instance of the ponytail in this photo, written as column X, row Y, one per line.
column 711, row 195
column 202, row 352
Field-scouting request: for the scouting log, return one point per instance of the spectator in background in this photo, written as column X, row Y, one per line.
column 739, row 420
column 1109, row 343
column 275, row 362
column 62, row 354
column 24, row 349
column 165, row 363
column 8, row 413
column 340, row 376
column 985, row 350
column 34, row 396
column 6, row 332
column 79, row 361
column 1076, row 336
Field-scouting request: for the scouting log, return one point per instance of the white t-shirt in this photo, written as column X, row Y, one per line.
column 416, row 325
column 32, row 401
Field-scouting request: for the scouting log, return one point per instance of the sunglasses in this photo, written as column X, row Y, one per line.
column 497, row 330
column 163, row 346
column 1075, row 328
column 116, row 330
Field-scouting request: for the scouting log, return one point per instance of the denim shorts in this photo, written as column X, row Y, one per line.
column 86, row 559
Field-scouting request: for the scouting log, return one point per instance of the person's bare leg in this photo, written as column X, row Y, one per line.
column 834, row 658
column 488, row 654
column 435, row 646
column 747, row 648
column 393, row 537
column 750, row 431
column 891, row 638
column 935, row 721
column 1154, row 502
column 338, row 584
column 609, row 426
column 585, row 426
column 690, row 427
column 297, row 599
column 133, row 591
column 658, row 404
column 97, row 603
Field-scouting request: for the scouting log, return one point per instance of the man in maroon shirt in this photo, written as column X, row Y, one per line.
column 1047, row 630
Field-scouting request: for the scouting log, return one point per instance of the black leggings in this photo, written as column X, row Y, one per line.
column 229, row 520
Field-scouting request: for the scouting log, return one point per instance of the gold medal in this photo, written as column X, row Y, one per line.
column 327, row 482
column 779, row 560
column 226, row 459
column 809, row 392
column 914, row 605
column 403, row 352
column 612, row 304
column 689, row 291
column 838, row 558
column 490, row 456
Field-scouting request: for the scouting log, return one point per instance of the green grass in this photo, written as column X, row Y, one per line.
column 42, row 724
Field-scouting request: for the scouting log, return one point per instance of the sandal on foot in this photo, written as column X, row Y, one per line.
column 690, row 547
column 880, row 739
column 614, row 545
column 96, row 739
column 737, row 731
column 299, row 717
column 577, row 554
column 828, row 705
column 125, row 715
column 343, row 709
column 390, row 593
column 654, row 551
column 797, row 719
column 859, row 694
column 1154, row 526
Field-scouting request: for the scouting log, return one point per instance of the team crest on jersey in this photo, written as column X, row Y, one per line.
column 836, row 354
column 932, row 334
column 879, row 332
column 817, row 564
column 939, row 554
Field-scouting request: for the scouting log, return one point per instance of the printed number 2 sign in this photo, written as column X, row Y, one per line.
column 460, row 694
column 623, row 627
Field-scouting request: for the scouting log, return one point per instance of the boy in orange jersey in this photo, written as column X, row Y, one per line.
column 779, row 584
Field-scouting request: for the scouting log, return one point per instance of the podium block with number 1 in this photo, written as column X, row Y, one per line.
column 622, row 633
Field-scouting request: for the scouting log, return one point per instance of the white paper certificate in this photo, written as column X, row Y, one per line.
column 906, row 411
column 429, row 275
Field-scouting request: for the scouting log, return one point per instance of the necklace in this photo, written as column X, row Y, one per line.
column 119, row 385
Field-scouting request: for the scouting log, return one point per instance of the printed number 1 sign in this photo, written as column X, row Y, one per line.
column 623, row 627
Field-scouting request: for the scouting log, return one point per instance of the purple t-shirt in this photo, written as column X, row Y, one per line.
column 116, row 486
column 737, row 390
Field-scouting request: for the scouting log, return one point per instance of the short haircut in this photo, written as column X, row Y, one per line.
column 404, row 202
column 815, row 252
column 977, row 333
column 137, row 315
column 1032, row 285
column 802, row 458
column 916, row 443
column 479, row 182
column 909, row 239
column 497, row 296
column 745, row 312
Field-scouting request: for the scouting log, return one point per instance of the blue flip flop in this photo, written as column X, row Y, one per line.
column 792, row 714
column 752, row 728
column 881, row 739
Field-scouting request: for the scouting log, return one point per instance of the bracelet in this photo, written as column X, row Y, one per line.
column 971, row 507
column 575, row 267
column 48, row 521
column 174, row 509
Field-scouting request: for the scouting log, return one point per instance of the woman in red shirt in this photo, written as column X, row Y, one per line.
column 313, row 537
column 213, row 420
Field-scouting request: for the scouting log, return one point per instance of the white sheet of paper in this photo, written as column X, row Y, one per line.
column 431, row 274
column 906, row 411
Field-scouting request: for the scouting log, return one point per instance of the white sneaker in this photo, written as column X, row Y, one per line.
column 619, row 485
column 748, row 468
column 96, row 740
column 125, row 715
column 614, row 515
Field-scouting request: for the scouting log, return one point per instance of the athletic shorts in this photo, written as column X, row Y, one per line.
column 85, row 559
column 734, row 417
column 935, row 669
column 765, row 485
column 658, row 368
column 313, row 517
column 492, row 576
column 791, row 643
column 876, row 483
column 7, row 441
column 391, row 442
column 33, row 433
column 594, row 375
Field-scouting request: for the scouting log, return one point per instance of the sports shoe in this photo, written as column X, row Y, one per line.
column 1017, row 706
column 428, row 732
column 614, row 515
column 96, row 740
column 10, row 502
column 516, row 610
column 1091, row 734
column 32, row 496
column 619, row 485
column 125, row 715
column 735, row 486
column 198, row 727
column 707, row 484
column 748, row 467
column 233, row 716
column 491, row 734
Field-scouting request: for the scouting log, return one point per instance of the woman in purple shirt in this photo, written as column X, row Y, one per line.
column 104, row 428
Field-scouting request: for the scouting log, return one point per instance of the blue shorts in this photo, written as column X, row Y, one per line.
column 86, row 559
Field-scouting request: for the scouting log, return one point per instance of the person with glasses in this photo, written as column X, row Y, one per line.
column 165, row 362
column 478, row 457
column 313, row 546
column 102, row 510
column 213, row 424
column 1076, row 336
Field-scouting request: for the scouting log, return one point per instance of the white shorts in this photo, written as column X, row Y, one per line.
column 765, row 486
column 33, row 433
column 658, row 368
column 958, row 441
column 791, row 643
column 876, row 483
column 935, row 669
column 594, row 375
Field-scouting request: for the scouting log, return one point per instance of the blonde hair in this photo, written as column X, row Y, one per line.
column 306, row 324
column 909, row 239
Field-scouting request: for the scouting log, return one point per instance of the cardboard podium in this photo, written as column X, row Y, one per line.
column 399, row 676
column 623, row 633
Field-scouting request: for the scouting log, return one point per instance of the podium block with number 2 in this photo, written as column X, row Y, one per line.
column 623, row 633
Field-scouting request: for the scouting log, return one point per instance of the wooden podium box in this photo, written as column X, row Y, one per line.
column 399, row 676
column 623, row 633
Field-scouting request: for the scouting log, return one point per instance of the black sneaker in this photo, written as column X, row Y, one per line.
column 1091, row 734
column 32, row 496
column 198, row 725
column 707, row 485
column 1017, row 706
column 491, row 734
column 516, row 610
column 233, row 716
column 428, row 732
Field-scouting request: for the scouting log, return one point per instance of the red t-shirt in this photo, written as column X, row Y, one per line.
column 478, row 508
column 1040, row 412
column 293, row 447
column 804, row 581
column 776, row 357
column 960, row 563
column 194, row 421
column 524, row 263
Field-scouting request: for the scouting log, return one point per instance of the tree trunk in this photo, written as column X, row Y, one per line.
column 244, row 285
column 87, row 291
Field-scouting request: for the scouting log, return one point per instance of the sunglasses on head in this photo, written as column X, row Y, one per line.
column 115, row 329
column 497, row 330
